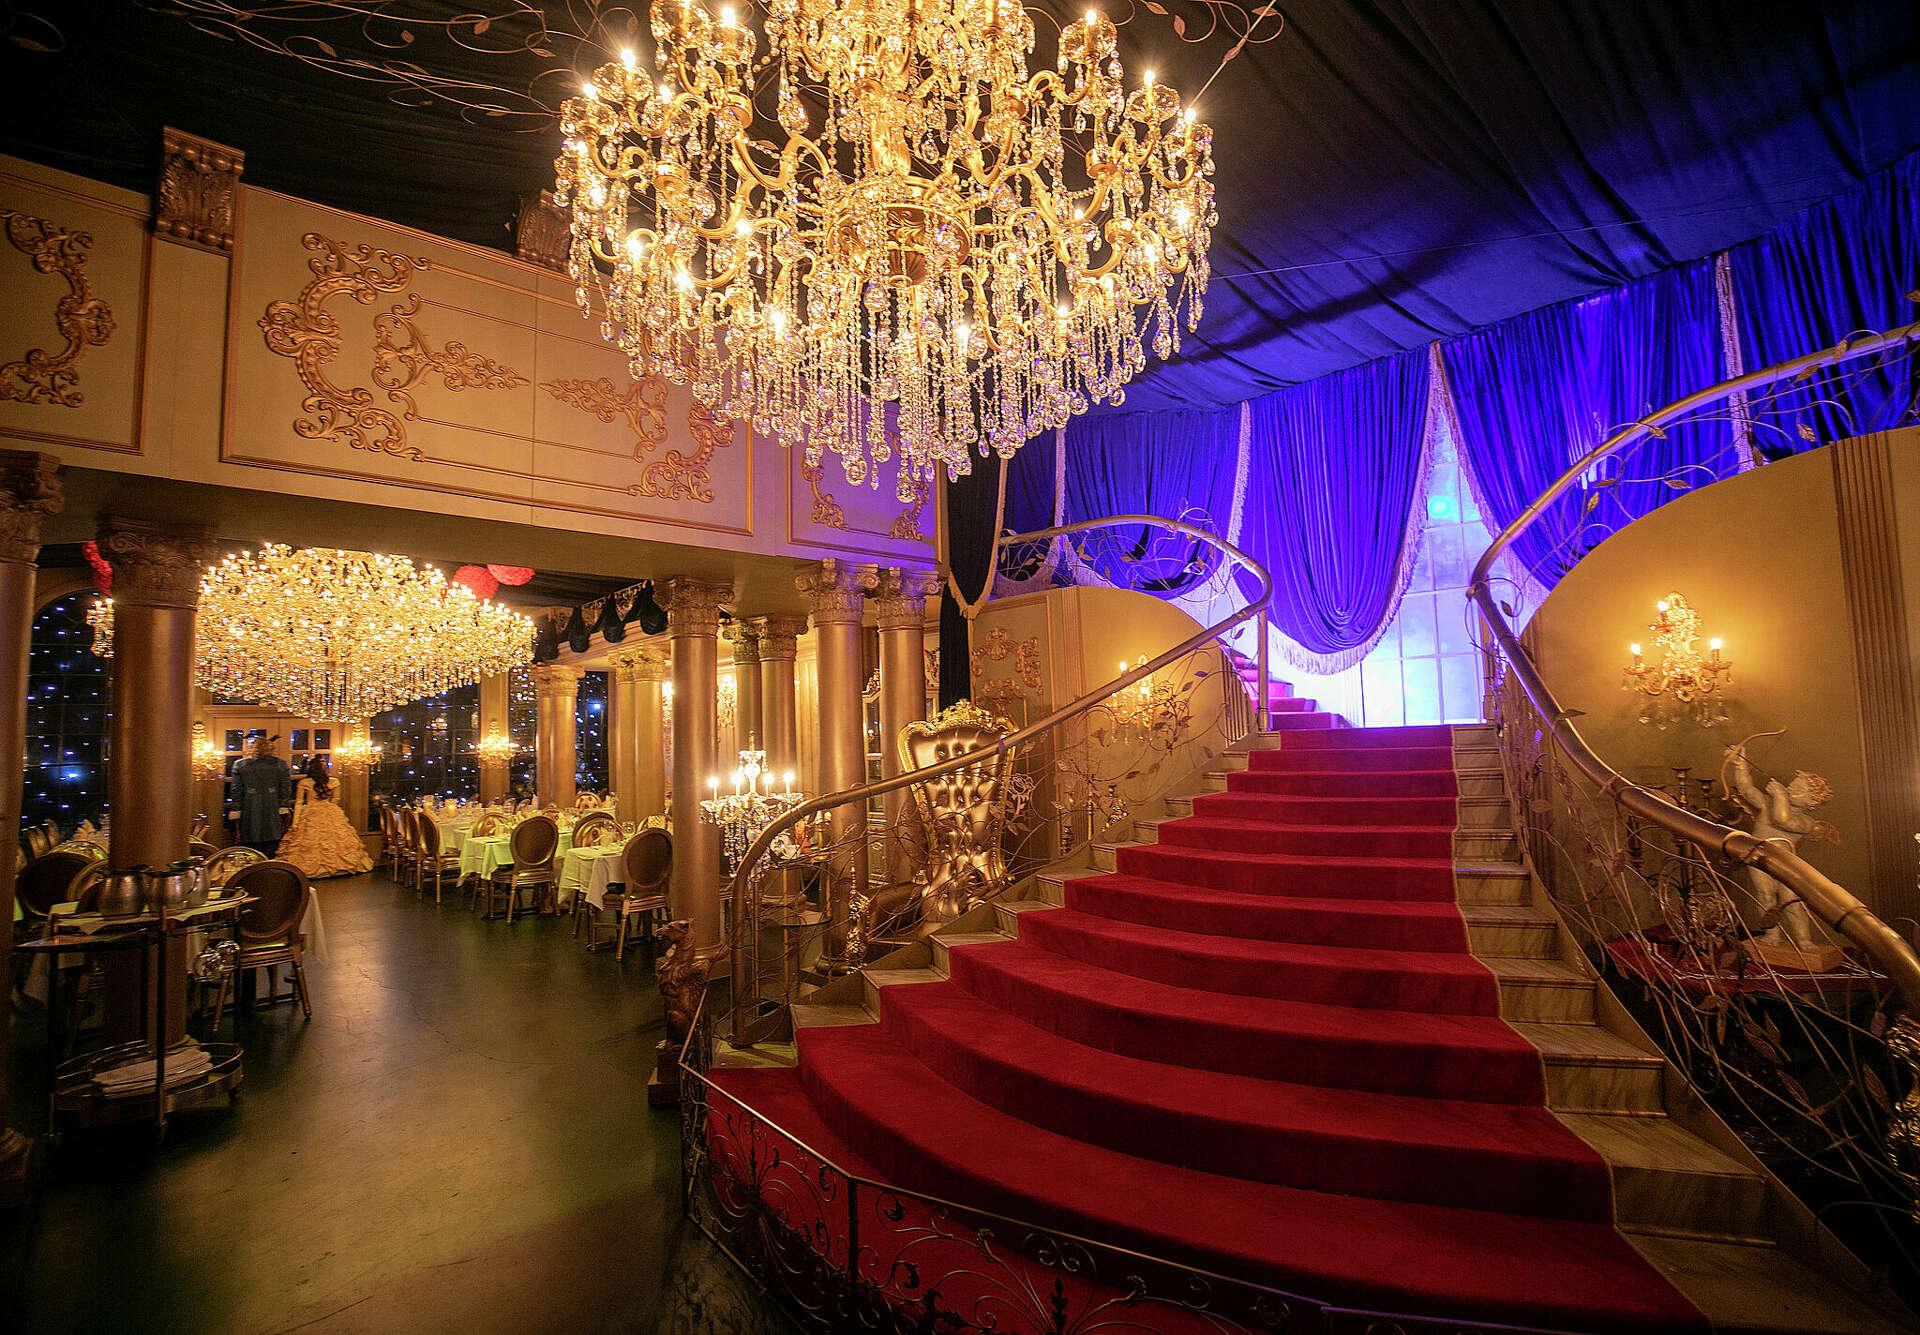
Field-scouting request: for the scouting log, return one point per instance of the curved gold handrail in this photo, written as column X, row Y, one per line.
column 1831, row 902
column 743, row 896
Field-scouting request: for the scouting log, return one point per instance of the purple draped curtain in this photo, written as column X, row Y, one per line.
column 1335, row 467
column 1841, row 267
column 1535, row 393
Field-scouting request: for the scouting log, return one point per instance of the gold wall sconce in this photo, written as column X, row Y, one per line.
column 1682, row 683
column 209, row 761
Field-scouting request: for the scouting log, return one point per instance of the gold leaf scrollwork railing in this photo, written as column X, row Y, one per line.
column 1092, row 722
column 1822, row 1079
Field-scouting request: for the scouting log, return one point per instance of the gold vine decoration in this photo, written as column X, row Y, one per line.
column 84, row 320
column 826, row 510
column 404, row 357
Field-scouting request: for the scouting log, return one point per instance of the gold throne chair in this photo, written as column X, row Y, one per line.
column 961, row 817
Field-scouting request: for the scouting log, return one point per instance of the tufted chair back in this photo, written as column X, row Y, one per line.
column 964, row 813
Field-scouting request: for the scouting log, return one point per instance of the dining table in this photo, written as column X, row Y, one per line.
column 592, row 872
column 482, row 856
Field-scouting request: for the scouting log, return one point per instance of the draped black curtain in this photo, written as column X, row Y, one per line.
column 970, row 503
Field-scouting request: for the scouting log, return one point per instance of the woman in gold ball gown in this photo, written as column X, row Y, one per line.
column 322, row 841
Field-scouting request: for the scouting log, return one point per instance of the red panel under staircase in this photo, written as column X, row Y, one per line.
column 1260, row 1047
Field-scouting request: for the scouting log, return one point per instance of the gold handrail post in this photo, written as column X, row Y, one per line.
column 1261, row 704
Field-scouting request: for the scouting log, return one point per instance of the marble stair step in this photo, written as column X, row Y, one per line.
column 1754, row 1290
column 1666, row 1179
column 1592, row 1070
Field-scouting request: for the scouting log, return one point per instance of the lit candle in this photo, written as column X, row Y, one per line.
column 1635, row 650
column 715, row 782
column 1713, row 648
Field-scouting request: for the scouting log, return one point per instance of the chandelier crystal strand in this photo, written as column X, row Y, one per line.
column 955, row 255
column 337, row 636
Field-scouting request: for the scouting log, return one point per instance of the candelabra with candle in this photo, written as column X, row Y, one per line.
column 753, row 804
column 1698, row 685
column 1149, row 710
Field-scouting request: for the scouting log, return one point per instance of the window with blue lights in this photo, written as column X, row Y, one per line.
column 67, row 708
column 590, row 733
column 426, row 747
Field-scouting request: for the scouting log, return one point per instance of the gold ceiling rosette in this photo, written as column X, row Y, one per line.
column 338, row 636
column 880, row 225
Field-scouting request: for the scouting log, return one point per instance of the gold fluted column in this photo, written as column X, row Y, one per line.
column 495, row 691
column 749, row 722
column 693, row 628
column 650, row 771
column 837, row 590
column 351, row 784
column 901, row 605
column 558, row 691
column 626, row 710
column 780, row 737
column 29, row 491
column 156, row 587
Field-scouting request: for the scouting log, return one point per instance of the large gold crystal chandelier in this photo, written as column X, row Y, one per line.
column 337, row 636
column 881, row 225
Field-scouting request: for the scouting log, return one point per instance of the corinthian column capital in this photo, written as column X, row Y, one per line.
column 636, row 665
column 693, row 605
column 556, row 680
column 156, row 564
column 837, row 589
column 745, row 641
column 29, row 492
column 901, row 597
column 777, row 636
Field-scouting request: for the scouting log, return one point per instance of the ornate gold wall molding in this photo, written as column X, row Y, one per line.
column 643, row 404
column 199, row 179
column 996, row 646
column 906, row 526
column 84, row 320
column 826, row 510
column 404, row 356
column 304, row 331
column 543, row 233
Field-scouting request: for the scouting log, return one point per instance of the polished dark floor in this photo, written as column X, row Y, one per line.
column 459, row 1140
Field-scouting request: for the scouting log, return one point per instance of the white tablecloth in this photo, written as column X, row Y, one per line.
column 484, row 856
column 592, row 871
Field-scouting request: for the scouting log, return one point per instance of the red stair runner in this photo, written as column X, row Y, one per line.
column 1261, row 1047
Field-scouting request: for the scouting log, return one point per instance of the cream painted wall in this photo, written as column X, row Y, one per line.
column 187, row 389
column 1758, row 558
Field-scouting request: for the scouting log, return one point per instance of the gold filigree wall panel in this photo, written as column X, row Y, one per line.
column 824, row 510
column 366, row 351
column 74, row 272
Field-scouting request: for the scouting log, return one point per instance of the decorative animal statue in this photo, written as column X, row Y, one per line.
column 1782, row 813
column 682, row 980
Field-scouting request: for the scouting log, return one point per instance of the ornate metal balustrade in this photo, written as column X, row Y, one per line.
column 1075, row 776
column 1786, row 1001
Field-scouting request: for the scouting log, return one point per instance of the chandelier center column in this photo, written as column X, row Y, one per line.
column 778, row 651
column 749, row 718
column 156, row 588
column 29, row 491
column 558, row 691
column 837, row 590
column 693, row 627
column 901, row 604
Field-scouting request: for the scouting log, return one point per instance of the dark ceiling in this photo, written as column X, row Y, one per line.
column 1390, row 171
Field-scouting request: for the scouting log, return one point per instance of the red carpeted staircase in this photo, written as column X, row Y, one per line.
column 1262, row 1046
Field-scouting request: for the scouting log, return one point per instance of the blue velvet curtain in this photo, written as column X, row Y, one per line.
column 1838, row 268
column 1334, row 470
column 1535, row 393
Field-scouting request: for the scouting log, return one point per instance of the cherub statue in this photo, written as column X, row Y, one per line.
column 1782, row 813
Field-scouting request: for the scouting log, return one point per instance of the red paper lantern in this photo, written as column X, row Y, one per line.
column 513, row 575
column 477, row 580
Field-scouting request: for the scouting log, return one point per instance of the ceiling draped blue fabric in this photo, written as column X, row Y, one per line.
column 1389, row 171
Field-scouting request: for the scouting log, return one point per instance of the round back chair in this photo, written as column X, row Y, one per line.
column 593, row 829
column 534, row 840
column 488, row 824
column 222, row 865
column 43, row 882
column 648, row 863
column 279, row 890
column 38, row 845
column 200, row 848
column 84, row 889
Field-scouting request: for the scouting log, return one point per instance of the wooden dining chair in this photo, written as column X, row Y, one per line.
column 43, row 882
column 38, row 845
column 532, row 845
column 646, row 866
column 222, row 865
column 270, row 932
column 593, row 829
column 434, row 860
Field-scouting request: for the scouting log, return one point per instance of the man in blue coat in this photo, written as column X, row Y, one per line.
column 260, row 794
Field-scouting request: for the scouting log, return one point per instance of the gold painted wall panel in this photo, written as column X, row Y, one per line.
column 366, row 351
column 827, row 511
column 73, row 268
